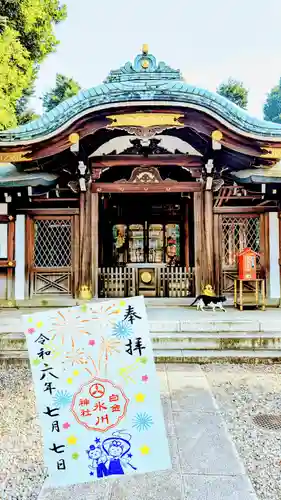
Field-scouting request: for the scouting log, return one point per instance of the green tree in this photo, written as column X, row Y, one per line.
column 26, row 38
column 272, row 106
column 15, row 75
column 34, row 20
column 23, row 111
column 235, row 91
column 65, row 87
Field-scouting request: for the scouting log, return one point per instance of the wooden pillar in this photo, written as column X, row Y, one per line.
column 20, row 278
column 209, row 237
column 11, row 258
column 95, row 243
column 274, row 268
column 198, row 241
column 217, row 254
column 186, row 235
column 204, row 240
column 85, row 260
column 265, row 249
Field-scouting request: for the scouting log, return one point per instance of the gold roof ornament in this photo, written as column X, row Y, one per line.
column 145, row 49
column 73, row 138
column 271, row 153
column 146, row 120
column 217, row 135
column 145, row 64
column 15, row 156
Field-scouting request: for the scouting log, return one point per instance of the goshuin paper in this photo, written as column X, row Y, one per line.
column 97, row 391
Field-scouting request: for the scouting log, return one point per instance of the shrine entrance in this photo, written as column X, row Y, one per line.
column 146, row 245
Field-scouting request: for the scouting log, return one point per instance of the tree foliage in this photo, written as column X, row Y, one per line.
column 34, row 20
column 65, row 87
column 15, row 75
column 272, row 106
column 26, row 38
column 235, row 91
column 23, row 111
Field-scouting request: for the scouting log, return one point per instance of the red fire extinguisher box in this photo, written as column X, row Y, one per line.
column 247, row 264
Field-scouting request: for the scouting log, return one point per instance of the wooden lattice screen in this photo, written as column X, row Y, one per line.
column 51, row 268
column 237, row 233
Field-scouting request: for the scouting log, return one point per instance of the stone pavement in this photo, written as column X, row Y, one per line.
column 206, row 465
column 270, row 317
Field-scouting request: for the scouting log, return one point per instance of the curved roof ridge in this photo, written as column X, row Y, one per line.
column 142, row 80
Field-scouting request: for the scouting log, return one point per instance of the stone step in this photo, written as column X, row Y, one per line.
column 13, row 325
column 207, row 356
column 216, row 325
column 186, row 334
column 16, row 357
column 165, row 336
column 254, row 344
column 217, row 342
column 44, row 303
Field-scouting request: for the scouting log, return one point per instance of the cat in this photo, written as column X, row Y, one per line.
column 207, row 301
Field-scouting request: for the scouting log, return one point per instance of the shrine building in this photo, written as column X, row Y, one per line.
column 143, row 185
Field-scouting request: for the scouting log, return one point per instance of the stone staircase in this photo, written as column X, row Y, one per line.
column 181, row 334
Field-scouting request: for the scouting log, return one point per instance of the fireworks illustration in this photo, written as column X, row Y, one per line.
column 64, row 323
column 106, row 315
column 142, row 421
column 62, row 398
column 122, row 330
column 79, row 357
column 108, row 347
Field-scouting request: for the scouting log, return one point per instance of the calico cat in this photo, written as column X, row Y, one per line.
column 207, row 301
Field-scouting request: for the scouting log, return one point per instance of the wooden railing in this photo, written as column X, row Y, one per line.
column 123, row 282
column 52, row 281
column 176, row 281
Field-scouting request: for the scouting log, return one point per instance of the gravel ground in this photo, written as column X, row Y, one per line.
column 21, row 463
column 241, row 392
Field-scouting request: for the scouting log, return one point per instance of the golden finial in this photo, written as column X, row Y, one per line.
column 145, row 48
column 217, row 135
column 85, row 293
column 208, row 290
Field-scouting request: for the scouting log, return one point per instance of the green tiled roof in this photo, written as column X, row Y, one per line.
column 11, row 176
column 143, row 80
column 260, row 175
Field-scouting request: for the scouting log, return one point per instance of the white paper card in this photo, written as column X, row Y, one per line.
column 97, row 391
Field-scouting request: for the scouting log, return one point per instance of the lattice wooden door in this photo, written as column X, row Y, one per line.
column 236, row 233
column 50, row 255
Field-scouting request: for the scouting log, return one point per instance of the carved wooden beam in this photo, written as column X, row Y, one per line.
column 15, row 156
column 160, row 187
column 153, row 160
column 243, row 211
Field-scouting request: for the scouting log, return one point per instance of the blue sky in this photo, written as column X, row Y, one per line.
column 209, row 40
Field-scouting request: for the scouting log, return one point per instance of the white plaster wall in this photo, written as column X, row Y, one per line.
column 3, row 208
column 20, row 258
column 274, row 269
